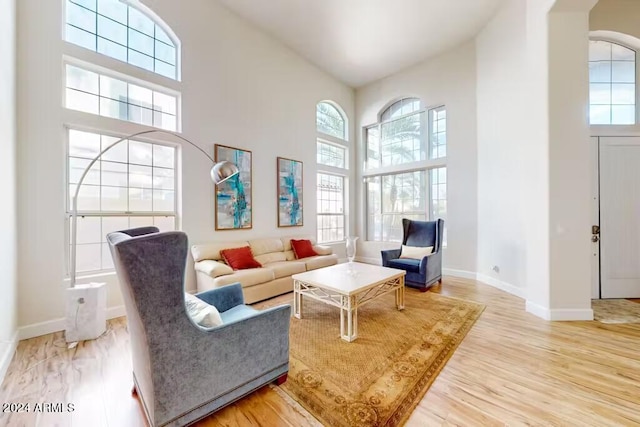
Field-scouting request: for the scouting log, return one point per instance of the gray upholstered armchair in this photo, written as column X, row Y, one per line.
column 183, row 372
column 425, row 272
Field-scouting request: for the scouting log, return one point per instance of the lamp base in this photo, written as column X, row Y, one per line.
column 86, row 312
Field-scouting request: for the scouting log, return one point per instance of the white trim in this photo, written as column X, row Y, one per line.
column 57, row 325
column 559, row 314
column 7, row 355
column 460, row 273
column 415, row 166
column 538, row 310
column 626, row 40
column 503, row 286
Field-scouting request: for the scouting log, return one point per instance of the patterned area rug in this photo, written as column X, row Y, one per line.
column 378, row 379
column 615, row 311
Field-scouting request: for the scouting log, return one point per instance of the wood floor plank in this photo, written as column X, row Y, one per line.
column 512, row 369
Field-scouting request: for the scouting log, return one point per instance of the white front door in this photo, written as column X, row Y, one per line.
column 620, row 217
column 595, row 219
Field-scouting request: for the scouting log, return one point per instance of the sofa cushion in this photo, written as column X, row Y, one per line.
column 412, row 265
column 303, row 248
column 213, row 268
column 265, row 246
column 212, row 250
column 286, row 241
column 415, row 252
column 320, row 261
column 322, row 250
column 289, row 255
column 286, row 268
column 240, row 258
column 200, row 312
column 271, row 257
column 250, row 277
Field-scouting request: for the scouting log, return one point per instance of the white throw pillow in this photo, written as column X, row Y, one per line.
column 415, row 252
column 202, row 313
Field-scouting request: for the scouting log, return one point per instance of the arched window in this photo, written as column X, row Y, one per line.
column 400, row 108
column 330, row 121
column 123, row 32
column 332, row 158
column 136, row 183
column 612, row 83
column 410, row 143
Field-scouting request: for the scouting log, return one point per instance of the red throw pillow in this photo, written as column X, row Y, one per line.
column 240, row 258
column 302, row 248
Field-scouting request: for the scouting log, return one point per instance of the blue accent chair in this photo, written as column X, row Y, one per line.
column 182, row 372
column 421, row 274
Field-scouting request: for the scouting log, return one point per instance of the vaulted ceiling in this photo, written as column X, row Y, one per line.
column 360, row 41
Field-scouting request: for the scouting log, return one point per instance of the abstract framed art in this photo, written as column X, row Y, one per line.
column 290, row 213
column 233, row 204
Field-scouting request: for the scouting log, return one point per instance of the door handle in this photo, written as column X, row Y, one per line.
column 595, row 238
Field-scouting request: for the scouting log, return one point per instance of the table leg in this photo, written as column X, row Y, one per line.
column 349, row 309
column 400, row 295
column 297, row 300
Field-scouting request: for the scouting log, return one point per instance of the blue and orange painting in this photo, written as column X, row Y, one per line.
column 289, row 192
column 233, row 197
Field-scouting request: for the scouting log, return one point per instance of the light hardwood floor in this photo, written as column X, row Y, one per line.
column 511, row 369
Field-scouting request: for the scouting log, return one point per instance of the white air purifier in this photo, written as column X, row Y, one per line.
column 86, row 312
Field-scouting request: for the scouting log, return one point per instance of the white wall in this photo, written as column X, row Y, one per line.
column 533, row 155
column 501, row 50
column 240, row 88
column 8, row 208
column 616, row 15
column 569, row 166
column 449, row 80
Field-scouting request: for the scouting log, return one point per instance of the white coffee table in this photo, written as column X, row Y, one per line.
column 347, row 287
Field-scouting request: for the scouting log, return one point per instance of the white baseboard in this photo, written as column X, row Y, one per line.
column 559, row 314
column 57, row 325
column 487, row 280
column 499, row 284
column 7, row 350
column 538, row 310
column 459, row 273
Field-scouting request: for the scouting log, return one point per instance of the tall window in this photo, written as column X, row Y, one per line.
column 612, row 82
column 113, row 28
column 134, row 183
column 96, row 93
column 405, row 168
column 332, row 150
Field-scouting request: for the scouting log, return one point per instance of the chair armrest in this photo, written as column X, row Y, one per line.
column 322, row 250
column 265, row 313
column 213, row 268
column 431, row 265
column 388, row 255
column 223, row 298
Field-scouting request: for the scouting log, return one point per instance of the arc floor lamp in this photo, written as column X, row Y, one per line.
column 86, row 303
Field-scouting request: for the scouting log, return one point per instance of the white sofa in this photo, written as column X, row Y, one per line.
column 274, row 278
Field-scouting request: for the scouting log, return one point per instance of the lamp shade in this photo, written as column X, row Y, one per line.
column 222, row 171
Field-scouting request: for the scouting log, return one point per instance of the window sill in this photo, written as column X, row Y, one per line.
column 336, row 242
column 92, row 276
